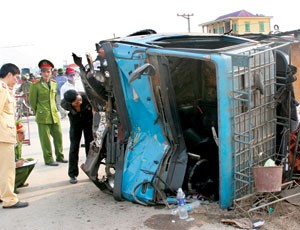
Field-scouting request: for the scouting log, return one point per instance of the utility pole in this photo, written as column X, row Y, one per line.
column 187, row 16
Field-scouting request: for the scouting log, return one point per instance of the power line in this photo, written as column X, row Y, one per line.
column 187, row 16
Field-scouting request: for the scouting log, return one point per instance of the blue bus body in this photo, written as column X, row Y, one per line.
column 186, row 110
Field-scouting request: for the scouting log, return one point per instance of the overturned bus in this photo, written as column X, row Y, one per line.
column 187, row 110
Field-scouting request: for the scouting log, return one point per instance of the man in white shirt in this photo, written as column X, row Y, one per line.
column 72, row 83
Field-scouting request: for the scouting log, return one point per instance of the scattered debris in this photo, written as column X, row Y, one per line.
column 244, row 223
column 258, row 224
column 258, row 201
column 289, row 195
column 190, row 219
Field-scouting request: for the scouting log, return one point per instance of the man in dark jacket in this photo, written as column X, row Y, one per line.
column 81, row 120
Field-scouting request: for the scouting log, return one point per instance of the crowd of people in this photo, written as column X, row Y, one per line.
column 53, row 96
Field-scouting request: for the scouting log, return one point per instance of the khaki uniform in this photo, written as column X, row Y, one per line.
column 42, row 102
column 7, row 142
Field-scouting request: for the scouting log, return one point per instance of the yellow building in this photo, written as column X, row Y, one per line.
column 239, row 22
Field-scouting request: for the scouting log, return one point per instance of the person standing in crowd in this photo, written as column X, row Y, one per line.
column 81, row 120
column 24, row 87
column 54, row 73
column 60, row 80
column 42, row 101
column 100, row 64
column 22, row 95
column 70, row 84
column 9, row 74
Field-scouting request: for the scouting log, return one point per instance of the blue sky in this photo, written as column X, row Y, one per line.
column 33, row 30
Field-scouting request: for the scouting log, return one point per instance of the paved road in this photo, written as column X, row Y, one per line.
column 57, row 204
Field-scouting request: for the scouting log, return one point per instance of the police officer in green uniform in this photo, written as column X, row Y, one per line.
column 42, row 101
column 23, row 167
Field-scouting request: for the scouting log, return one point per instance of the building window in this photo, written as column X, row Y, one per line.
column 221, row 29
column 215, row 30
column 261, row 26
column 227, row 26
column 247, row 26
column 234, row 27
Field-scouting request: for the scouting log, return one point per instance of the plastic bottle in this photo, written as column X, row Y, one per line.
column 189, row 207
column 182, row 209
